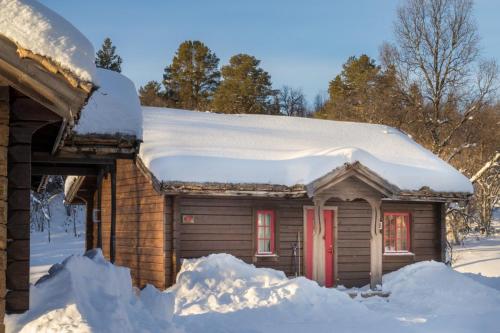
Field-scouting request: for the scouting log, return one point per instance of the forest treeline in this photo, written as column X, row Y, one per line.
column 431, row 82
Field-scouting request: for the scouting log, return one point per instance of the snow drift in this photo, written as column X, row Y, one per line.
column 35, row 27
column 221, row 293
column 186, row 146
column 89, row 294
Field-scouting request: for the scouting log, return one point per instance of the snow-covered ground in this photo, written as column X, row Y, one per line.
column 220, row 293
column 479, row 257
column 63, row 243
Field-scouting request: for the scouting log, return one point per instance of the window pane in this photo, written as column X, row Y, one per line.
column 264, row 246
column 268, row 219
column 261, row 232
column 260, row 219
column 267, row 233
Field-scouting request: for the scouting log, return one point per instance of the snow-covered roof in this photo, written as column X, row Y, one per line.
column 34, row 27
column 203, row 147
column 113, row 108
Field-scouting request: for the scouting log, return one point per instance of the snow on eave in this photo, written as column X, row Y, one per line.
column 46, row 37
column 200, row 151
column 113, row 110
column 390, row 191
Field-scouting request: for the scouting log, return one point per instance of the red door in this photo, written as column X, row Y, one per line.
column 328, row 218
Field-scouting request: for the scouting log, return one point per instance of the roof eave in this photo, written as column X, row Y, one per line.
column 42, row 80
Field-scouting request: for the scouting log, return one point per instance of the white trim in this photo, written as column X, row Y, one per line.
column 399, row 253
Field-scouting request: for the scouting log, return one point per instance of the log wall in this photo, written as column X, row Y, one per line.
column 140, row 225
column 4, row 142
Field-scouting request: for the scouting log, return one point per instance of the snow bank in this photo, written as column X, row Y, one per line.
column 34, row 27
column 191, row 146
column 113, row 108
column 220, row 293
column 88, row 294
column 433, row 288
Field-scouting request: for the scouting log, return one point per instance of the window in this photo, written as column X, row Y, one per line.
column 396, row 232
column 265, row 232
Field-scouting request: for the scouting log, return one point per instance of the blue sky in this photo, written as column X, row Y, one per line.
column 300, row 43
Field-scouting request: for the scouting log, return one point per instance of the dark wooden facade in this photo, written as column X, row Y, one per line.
column 140, row 225
column 152, row 240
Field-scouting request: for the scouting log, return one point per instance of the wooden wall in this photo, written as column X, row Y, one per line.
column 4, row 142
column 139, row 225
column 425, row 233
column 353, row 242
column 226, row 225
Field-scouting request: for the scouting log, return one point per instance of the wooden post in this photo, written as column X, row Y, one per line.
column 89, row 223
column 98, row 209
column 4, row 142
column 443, row 238
column 375, row 245
column 113, row 214
column 25, row 117
column 176, row 241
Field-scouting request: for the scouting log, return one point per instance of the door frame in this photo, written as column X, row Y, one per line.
column 335, row 238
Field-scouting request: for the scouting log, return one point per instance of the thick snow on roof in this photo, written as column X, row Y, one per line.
column 34, row 27
column 113, row 108
column 189, row 146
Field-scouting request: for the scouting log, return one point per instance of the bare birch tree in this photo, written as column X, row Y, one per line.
column 437, row 51
column 292, row 102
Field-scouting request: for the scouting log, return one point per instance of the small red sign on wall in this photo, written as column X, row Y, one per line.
column 187, row 219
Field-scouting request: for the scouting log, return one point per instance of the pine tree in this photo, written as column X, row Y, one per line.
column 151, row 95
column 107, row 58
column 193, row 76
column 365, row 92
column 246, row 88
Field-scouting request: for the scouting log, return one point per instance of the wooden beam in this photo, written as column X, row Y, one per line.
column 63, row 170
column 52, row 90
column 39, row 157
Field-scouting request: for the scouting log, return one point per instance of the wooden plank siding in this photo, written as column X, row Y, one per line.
column 353, row 242
column 140, row 225
column 226, row 225
column 425, row 226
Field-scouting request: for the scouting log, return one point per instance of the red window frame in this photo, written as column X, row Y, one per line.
column 271, row 229
column 393, row 232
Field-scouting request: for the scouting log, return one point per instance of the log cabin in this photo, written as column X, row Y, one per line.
column 47, row 77
column 340, row 203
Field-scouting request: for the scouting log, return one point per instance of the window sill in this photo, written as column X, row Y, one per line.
column 407, row 254
column 261, row 257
